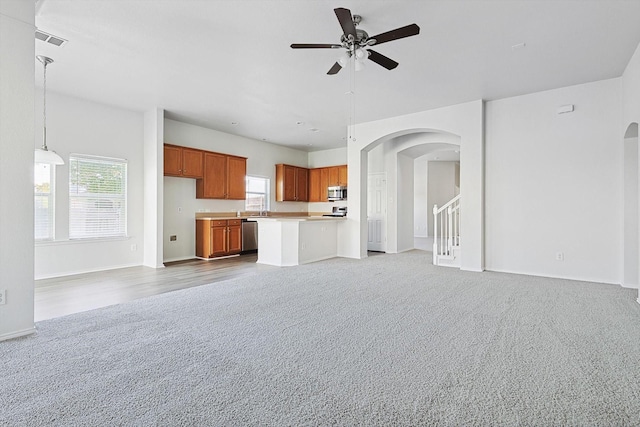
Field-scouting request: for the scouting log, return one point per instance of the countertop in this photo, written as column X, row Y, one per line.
column 278, row 215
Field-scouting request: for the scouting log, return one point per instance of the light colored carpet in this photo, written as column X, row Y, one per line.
column 390, row 340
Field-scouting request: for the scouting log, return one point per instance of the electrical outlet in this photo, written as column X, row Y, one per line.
column 173, row 238
column 559, row 256
column 3, row 296
column 134, row 247
column 179, row 209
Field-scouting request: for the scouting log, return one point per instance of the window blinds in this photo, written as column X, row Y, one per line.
column 43, row 201
column 97, row 197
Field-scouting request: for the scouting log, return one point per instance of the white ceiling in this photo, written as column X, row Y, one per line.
column 214, row 62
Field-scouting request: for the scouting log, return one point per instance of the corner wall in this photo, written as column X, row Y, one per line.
column 17, row 74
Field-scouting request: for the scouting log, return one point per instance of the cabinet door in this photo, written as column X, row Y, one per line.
column 302, row 184
column 213, row 183
column 324, row 183
column 333, row 176
column 203, row 238
column 192, row 163
column 289, row 180
column 342, row 175
column 234, row 237
column 315, row 195
column 172, row 160
column 236, row 174
column 218, row 241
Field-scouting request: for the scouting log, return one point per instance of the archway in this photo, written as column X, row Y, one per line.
column 465, row 121
column 395, row 158
column 631, row 231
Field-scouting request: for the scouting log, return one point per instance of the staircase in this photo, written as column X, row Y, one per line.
column 446, row 234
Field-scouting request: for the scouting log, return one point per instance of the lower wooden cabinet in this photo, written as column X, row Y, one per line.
column 218, row 237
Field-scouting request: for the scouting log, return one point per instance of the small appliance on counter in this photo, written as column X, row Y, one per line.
column 336, row 192
column 338, row 211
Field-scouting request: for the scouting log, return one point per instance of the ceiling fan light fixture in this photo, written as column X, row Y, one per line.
column 361, row 54
column 344, row 58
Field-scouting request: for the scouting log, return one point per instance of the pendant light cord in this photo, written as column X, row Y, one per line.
column 44, row 109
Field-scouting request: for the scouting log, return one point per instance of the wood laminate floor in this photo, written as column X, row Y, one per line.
column 82, row 292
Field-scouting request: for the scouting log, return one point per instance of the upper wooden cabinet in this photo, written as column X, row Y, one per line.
column 342, row 175
column 315, row 187
column 183, row 161
column 223, row 178
column 292, row 183
column 321, row 178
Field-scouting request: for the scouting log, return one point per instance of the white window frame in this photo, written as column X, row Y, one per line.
column 97, row 214
column 267, row 194
column 50, row 211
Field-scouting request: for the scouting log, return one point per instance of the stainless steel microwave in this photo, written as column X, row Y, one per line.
column 337, row 192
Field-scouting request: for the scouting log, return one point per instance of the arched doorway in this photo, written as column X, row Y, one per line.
column 465, row 121
column 394, row 158
column 631, row 212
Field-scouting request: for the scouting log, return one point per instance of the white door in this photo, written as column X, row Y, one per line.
column 377, row 212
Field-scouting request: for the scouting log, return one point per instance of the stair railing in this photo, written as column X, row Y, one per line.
column 446, row 228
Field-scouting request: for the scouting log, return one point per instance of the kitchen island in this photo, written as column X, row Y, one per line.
column 287, row 241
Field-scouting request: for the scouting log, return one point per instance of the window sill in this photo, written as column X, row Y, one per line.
column 76, row 241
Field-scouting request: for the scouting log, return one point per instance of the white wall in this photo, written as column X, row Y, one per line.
column 553, row 183
column 631, row 103
column 441, row 187
column 180, row 192
column 17, row 72
column 79, row 126
column 334, row 157
column 405, row 200
column 153, row 150
column 631, row 91
column 421, row 208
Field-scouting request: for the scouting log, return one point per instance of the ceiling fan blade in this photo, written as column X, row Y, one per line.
column 380, row 59
column 334, row 70
column 314, row 46
column 346, row 21
column 398, row 33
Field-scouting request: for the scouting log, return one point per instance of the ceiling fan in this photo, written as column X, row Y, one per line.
column 356, row 40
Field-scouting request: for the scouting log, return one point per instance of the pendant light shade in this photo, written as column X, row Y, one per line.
column 43, row 155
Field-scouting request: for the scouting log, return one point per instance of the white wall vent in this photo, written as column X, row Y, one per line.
column 50, row 38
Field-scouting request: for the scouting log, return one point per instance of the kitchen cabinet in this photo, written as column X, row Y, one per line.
column 183, row 161
column 322, row 178
column 292, row 183
column 337, row 175
column 223, row 177
column 218, row 237
column 315, row 187
column 342, row 175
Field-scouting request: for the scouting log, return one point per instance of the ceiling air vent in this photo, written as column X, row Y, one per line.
column 50, row 38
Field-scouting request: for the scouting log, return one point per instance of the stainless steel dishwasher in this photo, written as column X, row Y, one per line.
column 249, row 236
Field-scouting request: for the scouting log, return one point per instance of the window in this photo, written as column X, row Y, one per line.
column 43, row 202
column 97, row 197
column 257, row 198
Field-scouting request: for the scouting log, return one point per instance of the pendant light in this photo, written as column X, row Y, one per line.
column 43, row 155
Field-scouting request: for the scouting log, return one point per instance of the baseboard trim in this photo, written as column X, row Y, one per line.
column 17, row 334
column 90, row 270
